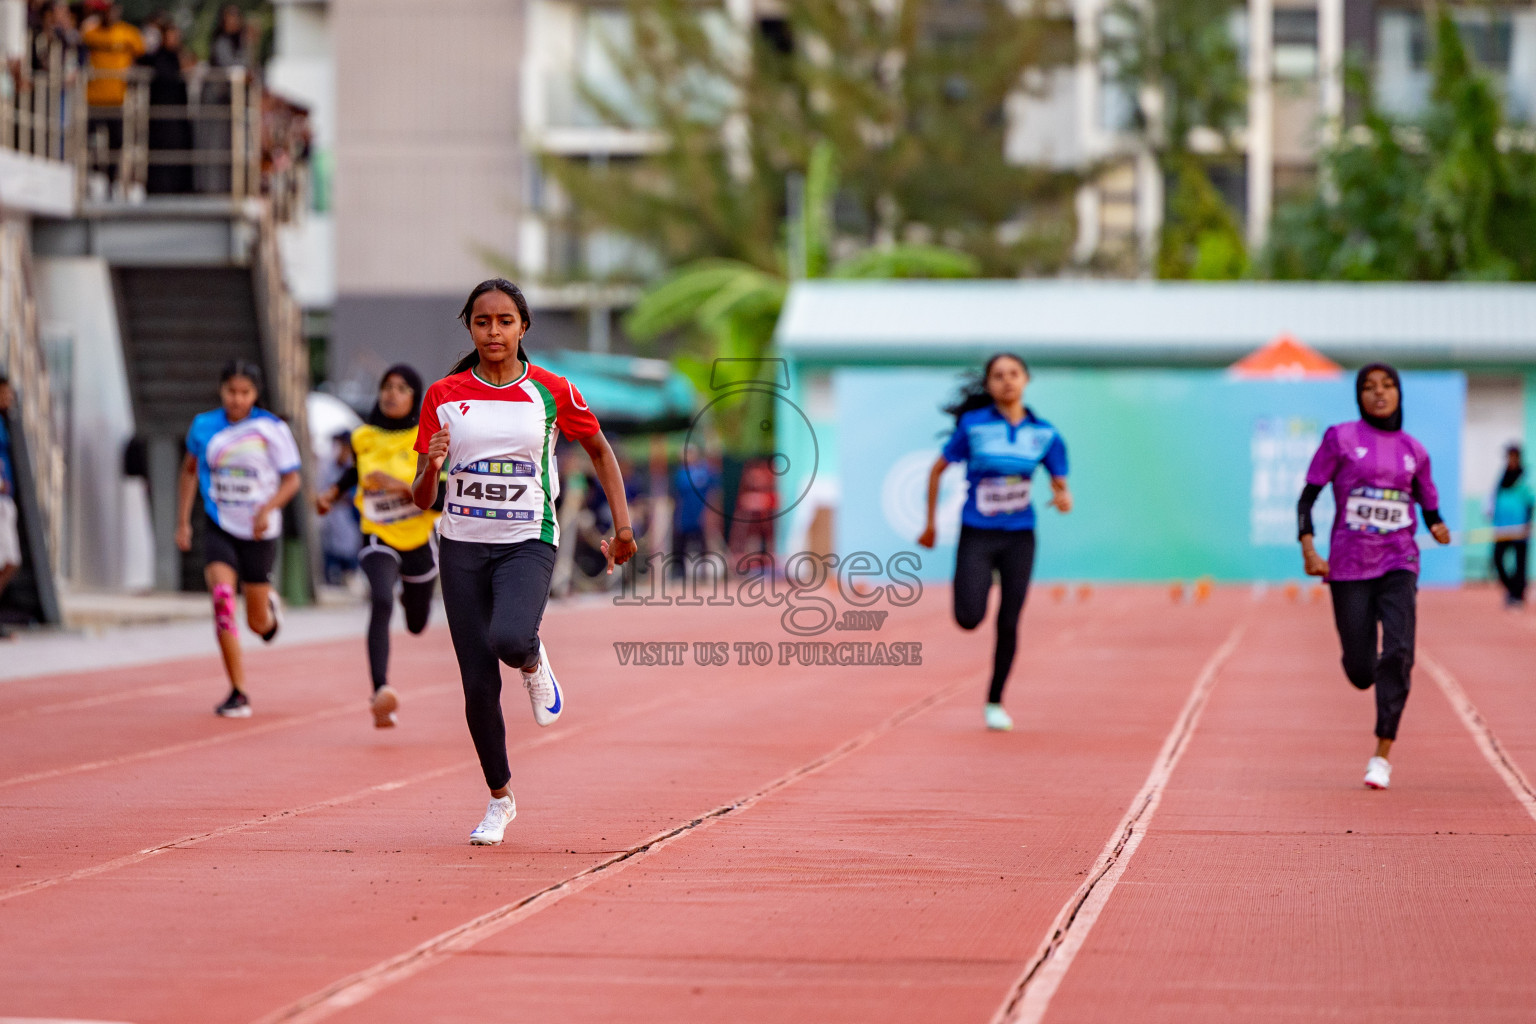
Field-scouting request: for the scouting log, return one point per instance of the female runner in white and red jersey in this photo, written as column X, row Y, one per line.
column 492, row 422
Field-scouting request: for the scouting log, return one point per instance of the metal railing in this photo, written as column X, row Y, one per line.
column 286, row 354
column 21, row 356
column 230, row 137
column 35, row 115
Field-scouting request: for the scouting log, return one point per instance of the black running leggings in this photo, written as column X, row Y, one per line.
column 1513, row 579
column 1359, row 607
column 1011, row 553
column 494, row 595
column 381, row 564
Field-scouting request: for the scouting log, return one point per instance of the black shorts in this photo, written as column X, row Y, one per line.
column 252, row 560
column 418, row 565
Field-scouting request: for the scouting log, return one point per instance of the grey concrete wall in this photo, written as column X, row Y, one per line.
column 429, row 171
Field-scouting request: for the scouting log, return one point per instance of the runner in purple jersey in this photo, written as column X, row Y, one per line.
column 1378, row 473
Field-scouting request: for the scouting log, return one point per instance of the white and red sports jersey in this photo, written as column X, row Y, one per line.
column 502, row 481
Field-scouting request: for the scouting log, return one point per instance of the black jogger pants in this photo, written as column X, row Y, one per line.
column 1513, row 578
column 494, row 596
column 1011, row 554
column 385, row 567
column 1359, row 608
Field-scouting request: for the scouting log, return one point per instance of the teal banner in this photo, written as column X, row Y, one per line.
column 1176, row 475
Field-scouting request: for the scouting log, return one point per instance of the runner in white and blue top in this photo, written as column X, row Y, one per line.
column 1002, row 442
column 244, row 463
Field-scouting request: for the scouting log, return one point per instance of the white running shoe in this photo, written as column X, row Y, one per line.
column 498, row 815
column 1378, row 773
column 384, row 704
column 543, row 690
column 998, row 718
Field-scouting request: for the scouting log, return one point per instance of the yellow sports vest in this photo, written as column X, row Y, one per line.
column 393, row 518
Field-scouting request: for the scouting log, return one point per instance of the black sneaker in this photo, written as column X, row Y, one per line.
column 275, row 609
column 236, row 705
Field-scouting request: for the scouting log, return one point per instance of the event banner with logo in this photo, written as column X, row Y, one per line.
column 1176, row 474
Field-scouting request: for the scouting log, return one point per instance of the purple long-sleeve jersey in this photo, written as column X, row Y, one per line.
column 1377, row 476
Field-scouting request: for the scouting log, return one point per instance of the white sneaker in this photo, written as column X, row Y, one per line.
column 998, row 718
column 498, row 815
column 543, row 690
column 1378, row 773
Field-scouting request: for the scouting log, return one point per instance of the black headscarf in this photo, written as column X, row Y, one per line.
column 1393, row 422
column 412, row 379
column 1511, row 476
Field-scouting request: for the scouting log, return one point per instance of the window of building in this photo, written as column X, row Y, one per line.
column 1296, row 42
column 1501, row 40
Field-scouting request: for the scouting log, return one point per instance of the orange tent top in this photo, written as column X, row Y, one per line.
column 1288, row 358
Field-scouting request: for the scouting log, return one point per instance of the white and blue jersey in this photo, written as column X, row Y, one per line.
column 240, row 467
column 1000, row 460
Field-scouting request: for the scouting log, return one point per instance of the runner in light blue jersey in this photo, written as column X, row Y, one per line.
column 1002, row 442
column 244, row 463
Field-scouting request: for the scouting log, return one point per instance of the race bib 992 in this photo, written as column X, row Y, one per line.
column 1374, row 510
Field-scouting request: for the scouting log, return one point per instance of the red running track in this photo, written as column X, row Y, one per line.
column 1175, row 831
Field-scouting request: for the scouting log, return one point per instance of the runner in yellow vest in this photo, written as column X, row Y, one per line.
column 400, row 540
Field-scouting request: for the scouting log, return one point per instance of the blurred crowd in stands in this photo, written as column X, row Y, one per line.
column 90, row 39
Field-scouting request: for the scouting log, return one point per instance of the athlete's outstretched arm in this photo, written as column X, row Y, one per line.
column 622, row 546
column 1314, row 563
column 1061, row 494
column 926, row 539
column 186, row 493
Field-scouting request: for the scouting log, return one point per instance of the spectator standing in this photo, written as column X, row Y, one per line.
column 53, row 29
column 757, row 503
column 113, row 45
column 696, row 494
column 10, row 537
column 233, row 47
column 1512, row 507
column 341, row 537
column 168, row 133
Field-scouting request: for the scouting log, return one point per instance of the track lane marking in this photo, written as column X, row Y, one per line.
column 1030, row 996
column 210, row 741
column 362, row 985
column 129, row 860
column 164, row 689
column 1482, row 734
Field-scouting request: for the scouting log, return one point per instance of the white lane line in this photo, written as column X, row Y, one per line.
column 91, row 702
column 1031, row 995
column 364, row 984
column 1482, row 734
column 129, row 860
column 237, row 733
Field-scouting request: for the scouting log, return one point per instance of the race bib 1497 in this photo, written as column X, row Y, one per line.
column 491, row 489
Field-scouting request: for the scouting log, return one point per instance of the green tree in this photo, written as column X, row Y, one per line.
column 1178, row 58
column 728, row 308
column 1444, row 196
column 911, row 97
